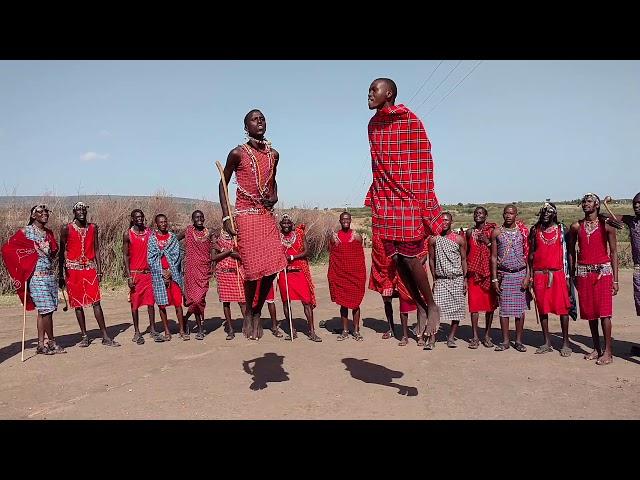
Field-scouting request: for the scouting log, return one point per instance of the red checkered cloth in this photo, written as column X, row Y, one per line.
column 197, row 269
column 347, row 274
column 301, row 264
column 229, row 273
column 383, row 269
column 479, row 258
column 594, row 295
column 403, row 202
column 259, row 245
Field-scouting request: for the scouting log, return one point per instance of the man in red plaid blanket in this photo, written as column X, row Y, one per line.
column 403, row 203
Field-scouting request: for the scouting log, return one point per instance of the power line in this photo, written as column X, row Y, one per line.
column 456, row 86
column 425, row 82
column 438, row 86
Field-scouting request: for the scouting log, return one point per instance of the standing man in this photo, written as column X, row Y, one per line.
column 510, row 274
column 135, row 243
column 164, row 262
column 407, row 305
column 199, row 244
column 347, row 274
column 481, row 296
column 299, row 281
column 80, row 261
column 28, row 256
column 255, row 164
column 547, row 261
column 403, row 202
column 448, row 264
column 229, row 279
column 633, row 223
column 595, row 273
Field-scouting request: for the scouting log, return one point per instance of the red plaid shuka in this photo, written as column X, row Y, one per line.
column 479, row 258
column 347, row 274
column 403, row 203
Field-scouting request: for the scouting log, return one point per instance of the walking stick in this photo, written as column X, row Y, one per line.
column 606, row 200
column 66, row 304
column 24, row 319
column 233, row 226
column 286, row 284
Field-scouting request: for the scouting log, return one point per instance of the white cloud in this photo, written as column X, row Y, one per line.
column 104, row 133
column 93, row 156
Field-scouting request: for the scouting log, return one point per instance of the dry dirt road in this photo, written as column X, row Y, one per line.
column 373, row 379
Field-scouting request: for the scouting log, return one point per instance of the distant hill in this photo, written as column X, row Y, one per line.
column 71, row 199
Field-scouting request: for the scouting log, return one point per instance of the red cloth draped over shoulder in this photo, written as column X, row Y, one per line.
column 479, row 258
column 302, row 264
column 20, row 258
column 347, row 272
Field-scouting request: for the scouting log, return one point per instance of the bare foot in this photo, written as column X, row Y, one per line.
column 387, row 334
column 433, row 320
column 403, row 342
column 605, row 359
column 591, row 356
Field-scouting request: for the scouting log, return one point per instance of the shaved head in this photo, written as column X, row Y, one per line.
column 390, row 85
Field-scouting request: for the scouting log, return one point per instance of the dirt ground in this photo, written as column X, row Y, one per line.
column 373, row 379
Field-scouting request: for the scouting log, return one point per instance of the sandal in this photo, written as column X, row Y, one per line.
column 166, row 337
column 184, row 336
column 430, row 345
column 315, row 338
column 44, row 350
column 474, row 343
column 388, row 334
column 231, row 335
column 565, row 352
column 520, row 347
column 544, row 349
column 322, row 324
column 487, row 343
column 277, row 333
column 343, row 336
column 158, row 338
column 403, row 342
column 138, row 339
column 501, row 347
column 420, row 342
column 358, row 337
column 200, row 335
column 288, row 336
column 451, row 343
column 109, row 342
column 84, row 342
column 55, row 348
column 601, row 361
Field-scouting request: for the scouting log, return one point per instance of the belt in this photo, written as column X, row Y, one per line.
column 71, row 265
column 599, row 268
column 43, row 273
column 549, row 273
column 448, row 278
column 511, row 270
column 636, row 267
column 227, row 270
column 293, row 270
column 140, row 271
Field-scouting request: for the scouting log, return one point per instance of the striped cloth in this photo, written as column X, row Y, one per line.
column 448, row 286
column 511, row 256
column 403, row 202
column 43, row 286
column 228, row 272
column 171, row 252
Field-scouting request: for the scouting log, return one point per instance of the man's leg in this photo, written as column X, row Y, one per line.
column 274, row 319
column 488, row 319
column 308, row 312
column 595, row 335
column 475, row 317
column 47, row 320
column 519, row 346
column 99, row 314
column 137, row 336
column 544, row 324
column 415, row 278
column 565, row 351
column 451, row 339
column 290, row 322
column 388, row 311
column 151, row 312
column 404, row 320
column 422, row 323
column 165, row 322
column 607, row 356
column 249, row 293
column 265, row 285
column 41, row 330
column 84, row 341
column 182, row 324
column 226, row 308
column 344, row 316
column 504, row 326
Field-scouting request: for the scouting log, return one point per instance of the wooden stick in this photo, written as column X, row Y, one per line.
column 66, row 304
column 24, row 319
column 608, row 199
column 286, row 284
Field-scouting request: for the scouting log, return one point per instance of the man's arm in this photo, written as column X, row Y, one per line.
column 573, row 237
column 304, row 252
column 432, row 257
column 96, row 248
column 273, row 199
column 494, row 260
column 613, row 251
column 125, row 253
column 463, row 255
column 233, row 160
column 63, row 255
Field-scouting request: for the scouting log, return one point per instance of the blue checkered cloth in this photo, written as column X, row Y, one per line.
column 42, row 285
column 154, row 256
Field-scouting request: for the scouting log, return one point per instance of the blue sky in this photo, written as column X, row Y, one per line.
column 512, row 130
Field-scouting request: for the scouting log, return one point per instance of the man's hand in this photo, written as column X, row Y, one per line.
column 614, row 289
column 235, row 255
column 482, row 238
column 270, row 202
column 464, row 288
column 496, row 287
column 131, row 282
column 61, row 282
column 228, row 228
column 525, row 282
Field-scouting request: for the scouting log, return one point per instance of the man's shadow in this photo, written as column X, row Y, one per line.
column 265, row 369
column 372, row 373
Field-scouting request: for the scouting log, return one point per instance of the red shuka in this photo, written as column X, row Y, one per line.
column 347, row 272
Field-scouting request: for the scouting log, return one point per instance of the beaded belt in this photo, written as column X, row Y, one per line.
column 71, row 265
column 140, row 271
column 253, row 211
column 511, row 270
column 549, row 273
column 438, row 277
column 43, row 273
column 600, row 268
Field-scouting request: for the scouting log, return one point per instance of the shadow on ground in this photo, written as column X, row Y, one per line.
column 368, row 372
